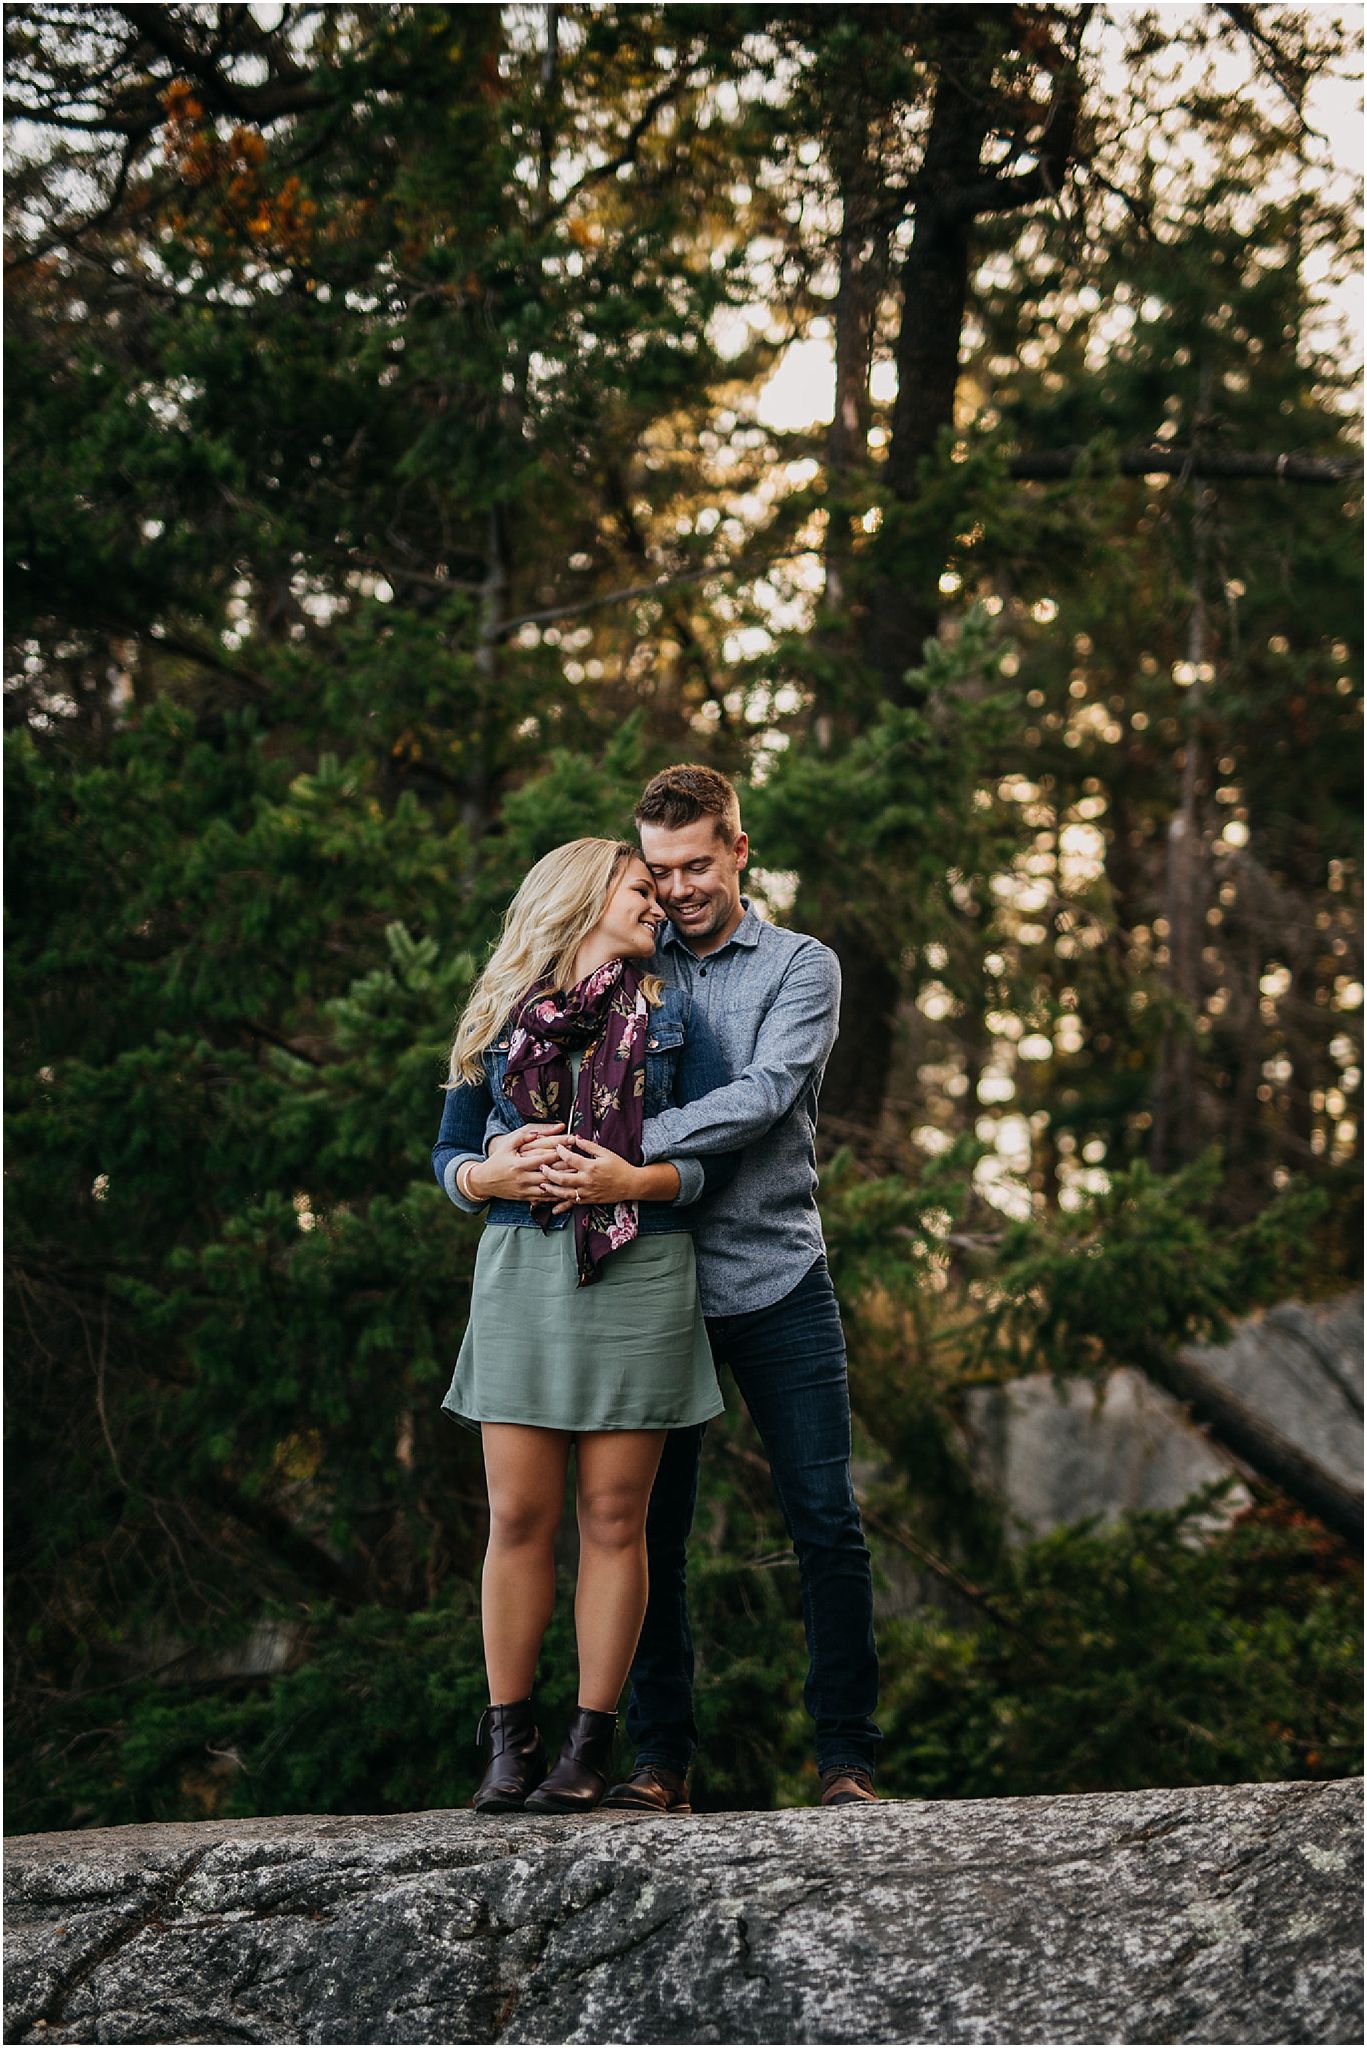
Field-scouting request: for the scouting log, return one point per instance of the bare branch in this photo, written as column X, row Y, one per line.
column 1053, row 151
column 670, row 90
column 657, row 589
column 64, row 238
column 1285, row 74
column 1231, row 465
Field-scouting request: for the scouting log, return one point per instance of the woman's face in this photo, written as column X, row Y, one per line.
column 632, row 914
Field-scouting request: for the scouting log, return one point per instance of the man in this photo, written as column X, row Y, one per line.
column 771, row 999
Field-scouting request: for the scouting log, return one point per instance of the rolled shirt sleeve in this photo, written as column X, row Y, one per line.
column 691, row 1177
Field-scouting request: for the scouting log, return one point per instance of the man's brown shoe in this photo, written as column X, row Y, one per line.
column 652, row 1788
column 846, row 1785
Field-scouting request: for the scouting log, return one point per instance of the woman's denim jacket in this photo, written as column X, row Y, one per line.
column 683, row 1062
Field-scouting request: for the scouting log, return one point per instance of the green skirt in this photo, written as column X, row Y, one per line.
column 628, row 1352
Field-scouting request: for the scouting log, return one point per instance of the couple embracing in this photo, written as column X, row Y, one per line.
column 632, row 1093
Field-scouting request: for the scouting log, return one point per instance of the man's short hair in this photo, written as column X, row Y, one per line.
column 686, row 792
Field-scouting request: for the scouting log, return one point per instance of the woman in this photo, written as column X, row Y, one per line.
column 585, row 1325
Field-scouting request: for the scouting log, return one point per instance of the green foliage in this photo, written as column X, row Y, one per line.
column 885, row 1232
column 1143, row 1264
column 379, row 1717
column 1131, row 1656
column 865, row 824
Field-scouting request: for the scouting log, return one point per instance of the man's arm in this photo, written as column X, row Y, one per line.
column 794, row 1043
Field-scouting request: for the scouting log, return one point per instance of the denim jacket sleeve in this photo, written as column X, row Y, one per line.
column 461, row 1137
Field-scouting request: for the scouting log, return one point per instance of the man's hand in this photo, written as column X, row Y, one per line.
column 587, row 1173
column 516, row 1166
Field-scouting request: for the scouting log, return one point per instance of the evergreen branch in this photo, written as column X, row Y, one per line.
column 195, row 650
column 289, row 89
column 1139, row 210
column 422, row 578
column 913, row 1544
column 99, row 1363
column 1040, row 466
column 943, row 1570
column 1232, row 464
column 51, row 116
column 136, row 110
column 91, row 81
column 293, row 1544
column 264, row 1032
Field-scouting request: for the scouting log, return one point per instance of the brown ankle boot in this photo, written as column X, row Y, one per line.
column 579, row 1776
column 518, row 1760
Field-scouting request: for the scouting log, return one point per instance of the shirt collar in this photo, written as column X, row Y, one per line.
column 747, row 933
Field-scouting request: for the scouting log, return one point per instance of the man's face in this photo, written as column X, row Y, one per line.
column 697, row 878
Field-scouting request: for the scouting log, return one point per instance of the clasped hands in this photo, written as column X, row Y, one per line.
column 539, row 1163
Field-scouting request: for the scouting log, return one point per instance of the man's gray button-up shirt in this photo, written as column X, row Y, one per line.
column 771, row 999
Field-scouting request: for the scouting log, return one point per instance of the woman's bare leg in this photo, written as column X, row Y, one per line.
column 525, row 1471
column 615, row 1472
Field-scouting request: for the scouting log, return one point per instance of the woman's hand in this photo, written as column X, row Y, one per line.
column 586, row 1173
column 515, row 1168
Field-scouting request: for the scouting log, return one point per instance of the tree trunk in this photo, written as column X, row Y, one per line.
column 903, row 600
column 871, row 984
column 1259, row 1442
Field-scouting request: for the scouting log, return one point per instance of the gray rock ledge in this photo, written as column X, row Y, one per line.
column 1225, row 1913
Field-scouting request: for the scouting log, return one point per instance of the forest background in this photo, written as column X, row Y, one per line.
column 396, row 478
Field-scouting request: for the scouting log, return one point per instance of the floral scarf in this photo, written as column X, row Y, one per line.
column 606, row 1014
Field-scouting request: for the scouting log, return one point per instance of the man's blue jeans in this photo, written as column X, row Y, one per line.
column 788, row 1361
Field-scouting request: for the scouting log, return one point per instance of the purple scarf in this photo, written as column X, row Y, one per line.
column 606, row 1014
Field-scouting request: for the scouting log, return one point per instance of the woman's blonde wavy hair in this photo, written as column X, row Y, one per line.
column 559, row 903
